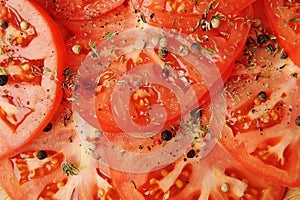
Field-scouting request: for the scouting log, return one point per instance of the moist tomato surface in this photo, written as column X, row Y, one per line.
column 211, row 45
column 263, row 102
column 78, row 9
column 56, row 166
column 31, row 67
column 285, row 19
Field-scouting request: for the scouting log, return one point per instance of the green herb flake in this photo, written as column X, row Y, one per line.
column 69, row 169
column 132, row 181
column 296, row 19
column 110, row 35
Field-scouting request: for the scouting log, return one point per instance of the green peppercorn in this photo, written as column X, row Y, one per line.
column 163, row 52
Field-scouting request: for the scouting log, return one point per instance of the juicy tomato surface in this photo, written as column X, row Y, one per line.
column 284, row 17
column 263, row 102
column 217, row 176
column 78, row 9
column 55, row 166
column 211, row 45
column 30, row 73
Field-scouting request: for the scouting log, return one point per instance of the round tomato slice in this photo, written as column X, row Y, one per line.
column 30, row 72
column 284, row 17
column 55, row 166
column 217, row 176
column 263, row 111
column 78, row 9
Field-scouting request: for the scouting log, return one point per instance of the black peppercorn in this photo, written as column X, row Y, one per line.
column 191, row 153
column 3, row 24
column 196, row 113
column 165, row 73
column 262, row 39
column 262, row 95
column 48, row 127
column 297, row 121
column 195, row 47
column 166, row 135
column 41, row 155
column 3, row 80
column 283, row 55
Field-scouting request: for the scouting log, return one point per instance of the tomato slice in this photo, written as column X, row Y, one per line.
column 55, row 166
column 31, row 68
column 78, row 9
column 285, row 18
column 217, row 176
column 263, row 103
column 186, row 74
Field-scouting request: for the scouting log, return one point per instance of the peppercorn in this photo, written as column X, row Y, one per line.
column 41, row 155
column 163, row 52
column 48, row 127
column 283, row 55
column 195, row 47
column 191, row 153
column 262, row 95
column 3, row 24
column 3, row 79
column 262, row 39
column 166, row 135
column 165, row 73
column 297, row 121
column 196, row 113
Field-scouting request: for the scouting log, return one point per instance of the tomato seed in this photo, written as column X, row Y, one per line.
column 166, row 135
column 48, row 127
column 297, row 121
column 41, row 155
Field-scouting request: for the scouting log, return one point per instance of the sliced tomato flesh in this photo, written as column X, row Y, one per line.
column 31, row 63
column 284, row 19
column 55, row 166
column 263, row 108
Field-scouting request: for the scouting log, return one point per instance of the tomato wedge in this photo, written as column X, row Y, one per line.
column 31, row 68
column 78, row 9
column 285, row 20
column 217, row 176
column 263, row 103
column 55, row 166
